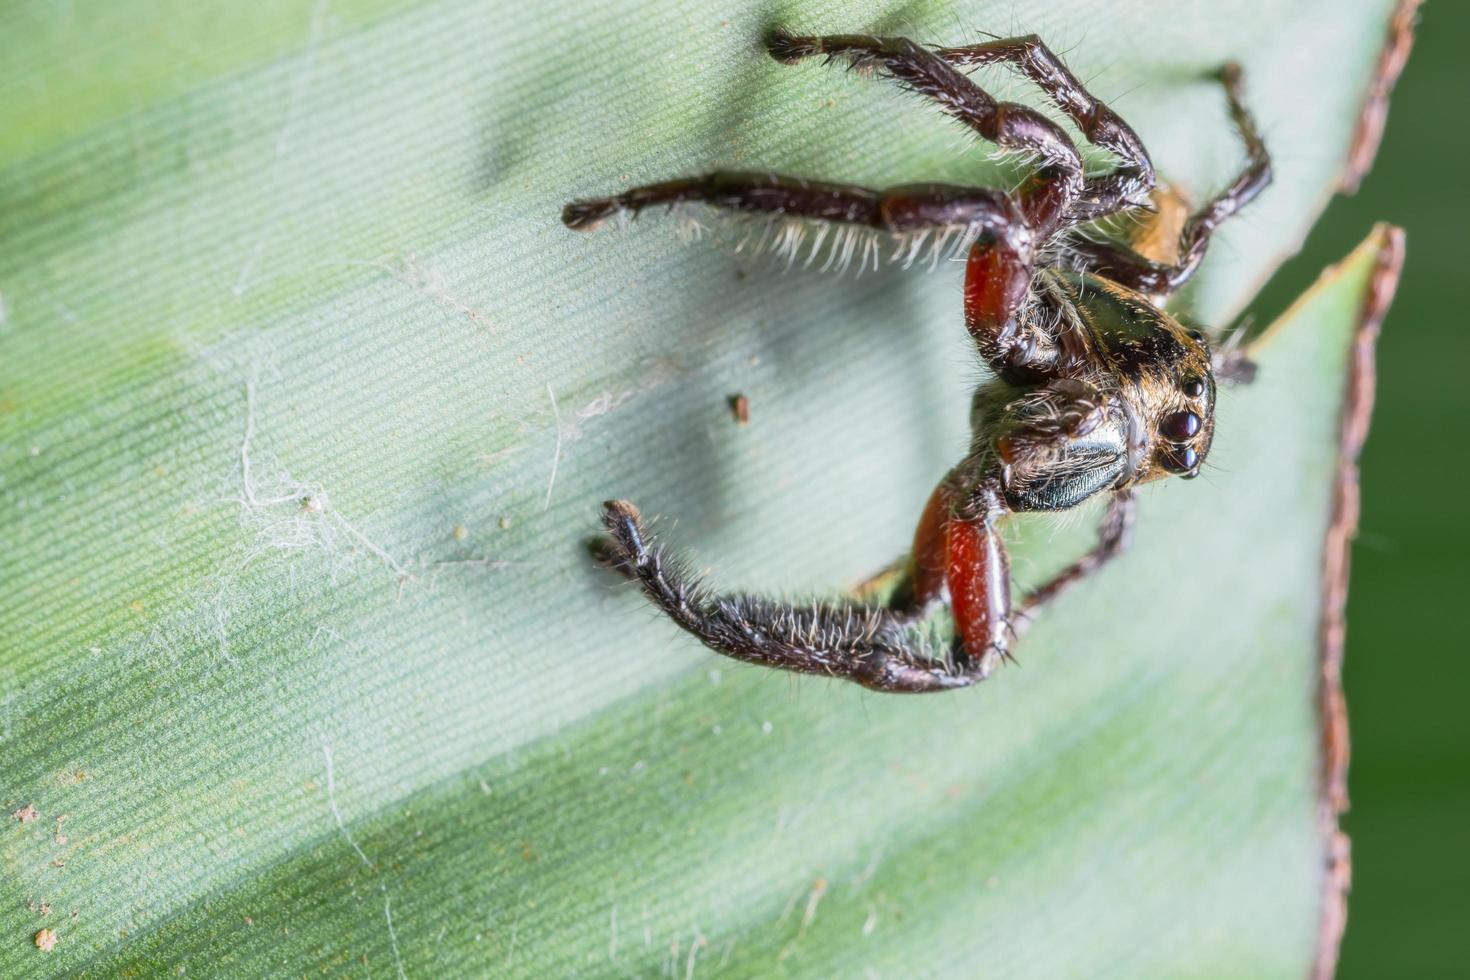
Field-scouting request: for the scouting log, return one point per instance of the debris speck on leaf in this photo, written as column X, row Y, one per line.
column 26, row 814
column 740, row 405
column 46, row 940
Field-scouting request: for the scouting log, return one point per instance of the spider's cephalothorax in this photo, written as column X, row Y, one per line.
column 1125, row 397
column 1095, row 388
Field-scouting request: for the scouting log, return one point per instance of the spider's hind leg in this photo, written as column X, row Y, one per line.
column 1103, row 194
column 872, row 647
column 1009, row 125
column 1126, row 266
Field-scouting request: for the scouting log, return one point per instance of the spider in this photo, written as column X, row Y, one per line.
column 1092, row 388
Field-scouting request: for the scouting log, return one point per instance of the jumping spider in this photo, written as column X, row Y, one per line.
column 1095, row 388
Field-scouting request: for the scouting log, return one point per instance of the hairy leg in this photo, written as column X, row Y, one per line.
column 1009, row 125
column 902, row 209
column 1123, row 265
column 1129, row 185
column 868, row 646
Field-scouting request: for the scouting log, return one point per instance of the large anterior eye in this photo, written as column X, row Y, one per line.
column 1180, row 426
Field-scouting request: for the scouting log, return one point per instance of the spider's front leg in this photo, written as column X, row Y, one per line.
column 877, row 648
column 958, row 551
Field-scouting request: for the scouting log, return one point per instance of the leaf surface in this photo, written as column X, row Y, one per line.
column 307, row 404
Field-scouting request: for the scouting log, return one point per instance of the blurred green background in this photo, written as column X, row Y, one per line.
column 1406, row 672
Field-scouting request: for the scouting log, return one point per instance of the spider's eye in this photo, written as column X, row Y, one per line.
column 1180, row 426
column 1197, row 335
column 1192, row 387
column 1181, row 460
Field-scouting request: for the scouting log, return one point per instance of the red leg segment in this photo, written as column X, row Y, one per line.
column 930, row 550
column 968, row 556
column 996, row 280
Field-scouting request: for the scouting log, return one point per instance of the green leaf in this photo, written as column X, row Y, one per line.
column 304, row 667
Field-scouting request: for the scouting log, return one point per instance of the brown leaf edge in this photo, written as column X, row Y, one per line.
column 1357, row 411
column 1368, row 133
column 1374, row 116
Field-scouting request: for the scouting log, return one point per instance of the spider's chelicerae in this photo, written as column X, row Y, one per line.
column 1094, row 389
